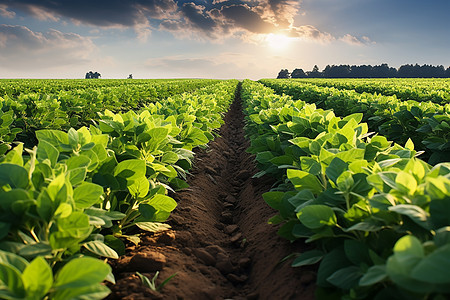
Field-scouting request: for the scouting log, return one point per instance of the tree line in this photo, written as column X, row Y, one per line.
column 368, row 71
column 92, row 75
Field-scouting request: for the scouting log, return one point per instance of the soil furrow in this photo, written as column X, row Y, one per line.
column 221, row 246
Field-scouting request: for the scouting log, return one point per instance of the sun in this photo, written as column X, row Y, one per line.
column 278, row 41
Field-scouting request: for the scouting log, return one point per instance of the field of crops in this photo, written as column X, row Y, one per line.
column 426, row 123
column 162, row 189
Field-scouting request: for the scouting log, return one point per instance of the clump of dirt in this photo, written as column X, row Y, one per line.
column 220, row 245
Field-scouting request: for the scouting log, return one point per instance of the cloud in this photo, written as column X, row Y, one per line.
column 50, row 49
column 106, row 13
column 242, row 16
column 194, row 16
column 309, row 32
column 280, row 12
column 211, row 20
column 4, row 12
column 353, row 40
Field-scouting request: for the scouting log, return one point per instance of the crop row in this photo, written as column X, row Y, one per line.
column 427, row 124
column 76, row 195
column 22, row 115
column 377, row 215
column 434, row 90
column 15, row 87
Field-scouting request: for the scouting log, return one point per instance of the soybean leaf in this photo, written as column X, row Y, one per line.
column 73, row 138
column 15, row 155
column 139, row 187
column 147, row 211
column 414, row 212
column 76, row 225
column 406, row 183
column 308, row 258
column 115, row 243
column 57, row 138
column 303, row 180
column 130, row 169
column 94, row 291
column 357, row 252
column 317, row 216
column 12, row 279
column 77, row 176
column 178, row 184
column 101, row 249
column 336, row 168
column 81, row 272
column 274, row 199
column 37, row 278
column 46, row 150
column 442, row 236
column 346, row 278
column 87, row 194
column 373, row 275
column 14, row 175
column 153, row 226
column 13, row 260
column 36, row 249
column 163, row 202
column 332, row 262
column 408, row 252
column 434, row 268
column 81, row 161
column 169, row 157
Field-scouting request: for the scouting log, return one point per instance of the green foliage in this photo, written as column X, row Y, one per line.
column 152, row 283
column 75, row 195
column 378, row 214
column 425, row 122
column 423, row 89
column 79, row 278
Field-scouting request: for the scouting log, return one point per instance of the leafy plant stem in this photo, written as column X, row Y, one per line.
column 106, row 200
column 33, row 234
column 347, row 200
column 57, row 258
column 324, row 181
column 129, row 211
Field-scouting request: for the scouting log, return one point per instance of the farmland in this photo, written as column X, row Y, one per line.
column 104, row 183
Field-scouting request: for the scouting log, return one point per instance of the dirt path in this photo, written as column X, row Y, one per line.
column 221, row 246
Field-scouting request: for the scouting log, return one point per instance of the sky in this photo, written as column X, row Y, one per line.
column 216, row 38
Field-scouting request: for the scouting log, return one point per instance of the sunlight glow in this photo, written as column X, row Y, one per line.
column 278, row 41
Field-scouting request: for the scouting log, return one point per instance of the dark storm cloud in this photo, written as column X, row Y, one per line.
column 194, row 15
column 100, row 13
column 242, row 16
column 215, row 19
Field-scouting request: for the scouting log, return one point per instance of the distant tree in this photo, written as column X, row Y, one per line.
column 284, row 73
column 363, row 71
column 298, row 73
column 383, row 71
column 429, row 71
column 130, row 76
column 314, row 73
column 406, row 71
column 368, row 71
column 91, row 75
column 341, row 71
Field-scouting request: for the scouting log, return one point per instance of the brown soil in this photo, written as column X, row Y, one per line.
column 221, row 246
